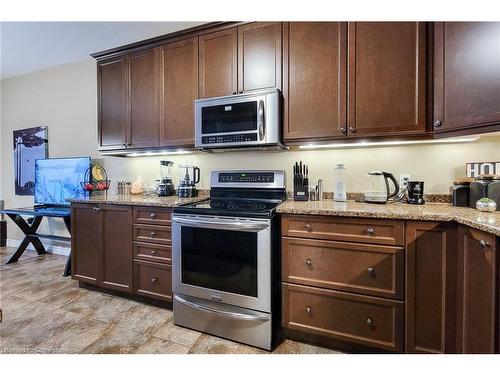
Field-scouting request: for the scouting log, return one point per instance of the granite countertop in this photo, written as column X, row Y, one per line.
column 488, row 222
column 139, row 200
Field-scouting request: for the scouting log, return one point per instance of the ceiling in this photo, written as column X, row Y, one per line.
column 30, row 46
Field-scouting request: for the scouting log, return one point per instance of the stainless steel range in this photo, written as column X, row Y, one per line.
column 225, row 252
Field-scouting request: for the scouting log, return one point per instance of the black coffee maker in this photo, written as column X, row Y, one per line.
column 416, row 192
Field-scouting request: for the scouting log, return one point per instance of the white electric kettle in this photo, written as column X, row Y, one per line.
column 378, row 187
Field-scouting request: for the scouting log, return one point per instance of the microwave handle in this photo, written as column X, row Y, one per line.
column 261, row 121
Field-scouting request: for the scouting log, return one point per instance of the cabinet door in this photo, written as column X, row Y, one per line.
column 112, row 102
column 259, row 56
column 144, row 95
column 387, row 77
column 466, row 71
column 86, row 243
column 477, row 291
column 431, row 263
column 218, row 63
column 117, row 266
column 314, row 85
column 180, row 89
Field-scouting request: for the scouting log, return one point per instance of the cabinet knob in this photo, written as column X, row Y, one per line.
column 153, row 252
column 369, row 321
column 483, row 243
column 97, row 209
column 308, row 309
column 241, row 92
column 234, row 92
column 352, row 129
column 437, row 124
column 153, row 234
column 343, row 130
column 309, row 262
column 154, row 279
column 308, row 227
column 370, row 231
column 153, row 216
column 371, row 271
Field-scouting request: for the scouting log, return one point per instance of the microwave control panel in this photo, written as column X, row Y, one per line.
column 257, row 177
column 233, row 138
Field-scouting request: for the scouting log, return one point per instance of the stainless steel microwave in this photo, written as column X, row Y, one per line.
column 243, row 120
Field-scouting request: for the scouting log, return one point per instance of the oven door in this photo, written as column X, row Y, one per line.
column 223, row 259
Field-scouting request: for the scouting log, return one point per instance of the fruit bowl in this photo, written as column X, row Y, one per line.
column 95, row 179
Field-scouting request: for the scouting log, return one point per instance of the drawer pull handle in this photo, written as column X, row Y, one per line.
column 370, row 231
column 309, row 262
column 369, row 321
column 154, row 279
column 371, row 271
column 308, row 227
column 153, row 252
column 153, row 234
column 308, row 309
column 483, row 243
column 153, row 215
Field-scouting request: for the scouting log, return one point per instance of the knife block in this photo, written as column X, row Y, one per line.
column 301, row 193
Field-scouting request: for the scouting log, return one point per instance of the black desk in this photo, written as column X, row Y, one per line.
column 29, row 228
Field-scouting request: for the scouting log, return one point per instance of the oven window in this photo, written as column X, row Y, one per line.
column 236, row 117
column 220, row 260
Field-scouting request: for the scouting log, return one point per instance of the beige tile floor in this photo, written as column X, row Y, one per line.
column 44, row 312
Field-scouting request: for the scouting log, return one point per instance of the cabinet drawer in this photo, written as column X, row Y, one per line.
column 368, row 269
column 152, row 234
column 369, row 321
column 382, row 232
column 153, row 280
column 153, row 252
column 149, row 215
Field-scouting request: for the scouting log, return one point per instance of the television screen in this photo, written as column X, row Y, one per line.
column 59, row 179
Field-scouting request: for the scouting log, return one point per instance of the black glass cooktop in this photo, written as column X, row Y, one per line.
column 230, row 207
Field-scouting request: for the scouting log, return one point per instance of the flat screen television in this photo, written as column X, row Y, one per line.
column 57, row 179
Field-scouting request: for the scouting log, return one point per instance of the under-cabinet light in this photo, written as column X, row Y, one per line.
column 387, row 143
column 158, row 153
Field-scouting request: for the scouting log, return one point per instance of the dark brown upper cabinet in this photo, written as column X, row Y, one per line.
column 113, row 102
column 477, row 292
column 259, row 56
column 466, row 75
column 387, row 78
column 431, row 279
column 314, row 85
column 129, row 101
column 179, row 65
column 143, row 99
column 218, row 63
column 240, row 59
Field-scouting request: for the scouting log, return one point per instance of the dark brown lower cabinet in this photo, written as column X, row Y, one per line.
column 102, row 248
column 478, row 295
column 117, row 250
column 86, row 243
column 431, row 262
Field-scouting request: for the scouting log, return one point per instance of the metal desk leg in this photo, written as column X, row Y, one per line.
column 67, row 268
column 29, row 231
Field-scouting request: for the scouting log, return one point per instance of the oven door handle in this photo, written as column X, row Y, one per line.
column 212, row 224
column 225, row 314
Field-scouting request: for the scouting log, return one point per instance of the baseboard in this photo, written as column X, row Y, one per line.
column 53, row 249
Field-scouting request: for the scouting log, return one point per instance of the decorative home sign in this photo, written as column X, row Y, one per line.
column 478, row 168
column 29, row 145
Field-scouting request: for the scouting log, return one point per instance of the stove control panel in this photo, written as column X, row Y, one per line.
column 246, row 177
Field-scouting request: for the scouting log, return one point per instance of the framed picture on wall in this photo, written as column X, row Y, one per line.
column 29, row 144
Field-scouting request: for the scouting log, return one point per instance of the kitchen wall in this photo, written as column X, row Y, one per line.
column 64, row 99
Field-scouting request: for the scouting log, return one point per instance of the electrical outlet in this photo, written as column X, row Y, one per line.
column 403, row 180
